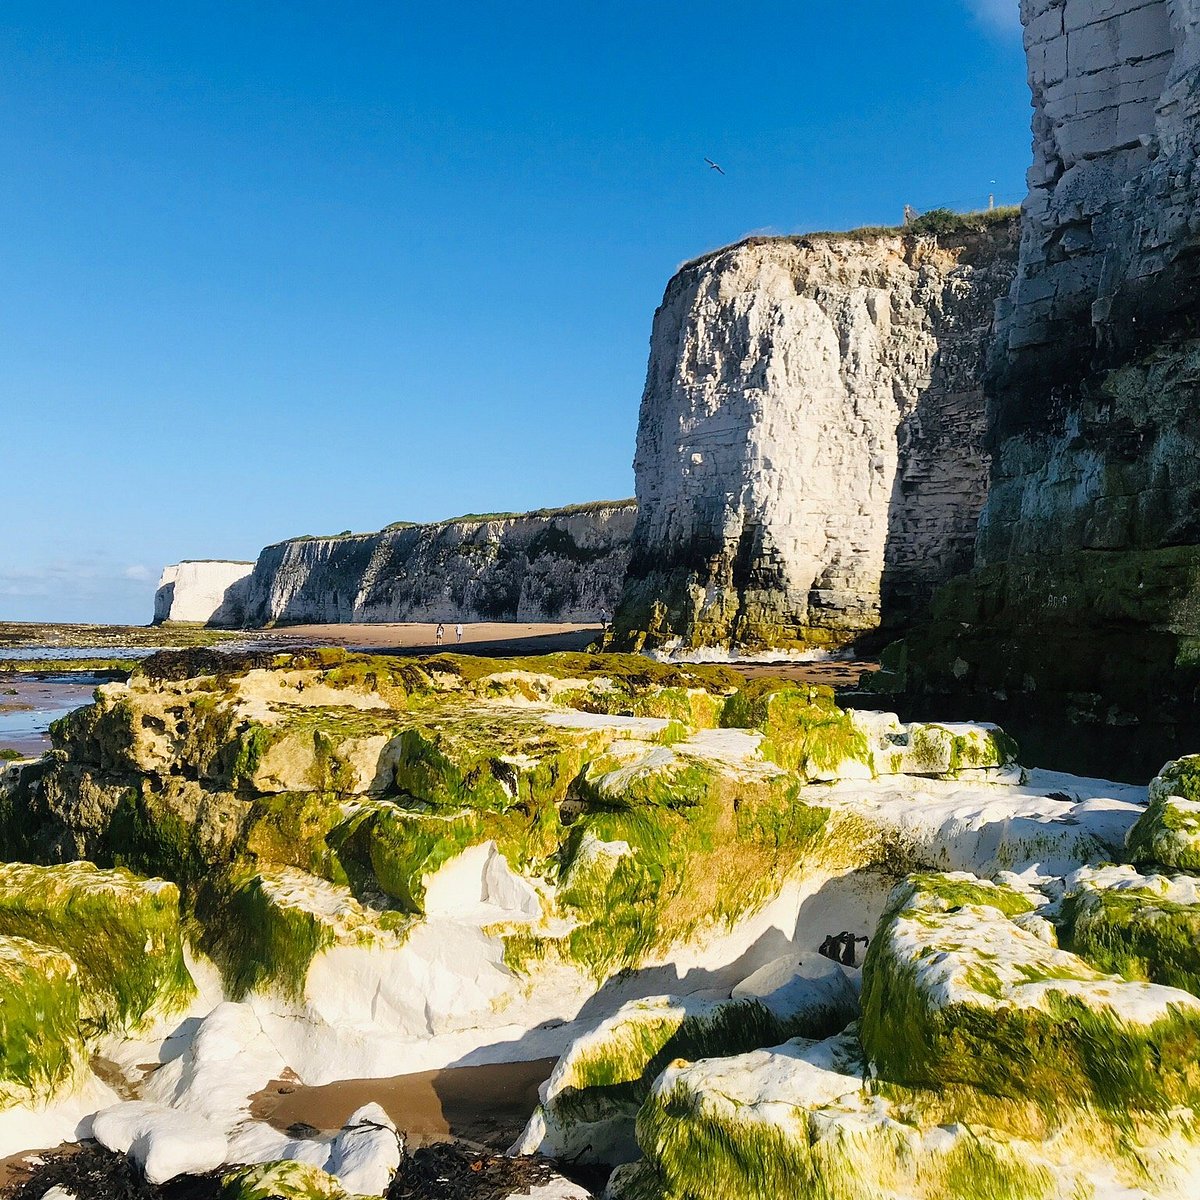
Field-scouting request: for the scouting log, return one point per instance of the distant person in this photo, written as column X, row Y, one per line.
column 458, row 633
column 603, row 621
column 441, row 633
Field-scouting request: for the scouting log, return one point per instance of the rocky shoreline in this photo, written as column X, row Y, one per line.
column 238, row 868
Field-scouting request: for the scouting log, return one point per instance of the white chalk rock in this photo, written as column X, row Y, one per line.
column 365, row 1155
column 163, row 1142
column 229, row 1059
column 795, row 985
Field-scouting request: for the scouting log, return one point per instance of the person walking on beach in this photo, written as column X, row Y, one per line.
column 441, row 633
column 458, row 632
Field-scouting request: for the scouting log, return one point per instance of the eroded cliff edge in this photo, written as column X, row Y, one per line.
column 810, row 456
column 1086, row 598
column 552, row 565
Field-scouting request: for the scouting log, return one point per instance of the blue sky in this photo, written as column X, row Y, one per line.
column 284, row 268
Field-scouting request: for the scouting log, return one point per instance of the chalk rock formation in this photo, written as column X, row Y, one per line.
column 553, row 565
column 209, row 592
column 809, row 455
column 1087, row 597
column 390, row 865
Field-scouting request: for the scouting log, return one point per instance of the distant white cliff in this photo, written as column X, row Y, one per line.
column 565, row 564
column 209, row 592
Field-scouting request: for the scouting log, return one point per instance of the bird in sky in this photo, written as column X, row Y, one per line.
column 714, row 166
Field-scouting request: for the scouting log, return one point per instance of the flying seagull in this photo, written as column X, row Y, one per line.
column 714, row 166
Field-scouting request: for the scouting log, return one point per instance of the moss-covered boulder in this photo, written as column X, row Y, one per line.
column 956, row 995
column 1168, row 833
column 591, row 1100
column 804, row 730
column 944, row 751
column 1137, row 926
column 41, row 1034
column 122, row 932
column 795, row 1120
column 284, row 1180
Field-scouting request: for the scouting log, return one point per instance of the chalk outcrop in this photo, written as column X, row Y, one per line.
column 553, row 565
column 208, row 592
column 1086, row 600
column 810, row 447
column 381, row 865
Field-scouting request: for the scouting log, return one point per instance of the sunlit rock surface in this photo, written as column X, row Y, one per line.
column 244, row 866
column 552, row 565
column 206, row 592
column 810, row 446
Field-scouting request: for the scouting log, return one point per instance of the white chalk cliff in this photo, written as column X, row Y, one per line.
column 210, row 592
column 809, row 453
column 563, row 564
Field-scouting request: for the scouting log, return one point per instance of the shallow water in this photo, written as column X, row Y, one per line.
column 28, row 706
column 38, row 653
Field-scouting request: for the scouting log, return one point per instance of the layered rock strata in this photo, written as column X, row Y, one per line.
column 554, row 565
column 810, row 447
column 1087, row 597
column 206, row 592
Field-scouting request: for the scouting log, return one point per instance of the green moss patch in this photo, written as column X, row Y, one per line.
column 41, row 1038
column 955, row 995
column 121, row 931
column 1137, row 935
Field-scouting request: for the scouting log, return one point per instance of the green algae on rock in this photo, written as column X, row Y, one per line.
column 955, row 993
column 1168, row 834
column 590, row 1103
column 1139, row 927
column 284, row 1180
column 41, row 1039
column 122, row 932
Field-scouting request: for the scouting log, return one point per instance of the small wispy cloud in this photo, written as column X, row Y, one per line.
column 998, row 16
column 73, row 578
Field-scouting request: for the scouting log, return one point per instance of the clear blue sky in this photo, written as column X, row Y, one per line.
column 284, row 268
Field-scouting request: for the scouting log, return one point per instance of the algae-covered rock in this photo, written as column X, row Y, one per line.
column 1137, row 926
column 797, row 1120
column 284, row 1180
column 590, row 1102
column 1168, row 833
column 956, row 994
column 122, row 932
column 945, row 751
column 264, row 929
column 41, row 1039
column 804, row 730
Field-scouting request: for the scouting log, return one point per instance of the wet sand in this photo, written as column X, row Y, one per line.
column 480, row 637
column 483, row 1106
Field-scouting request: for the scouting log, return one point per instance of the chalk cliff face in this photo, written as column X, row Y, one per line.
column 209, row 592
column 556, row 565
column 1087, row 595
column 809, row 457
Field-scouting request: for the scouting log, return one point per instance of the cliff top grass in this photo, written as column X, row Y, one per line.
column 938, row 222
column 567, row 510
